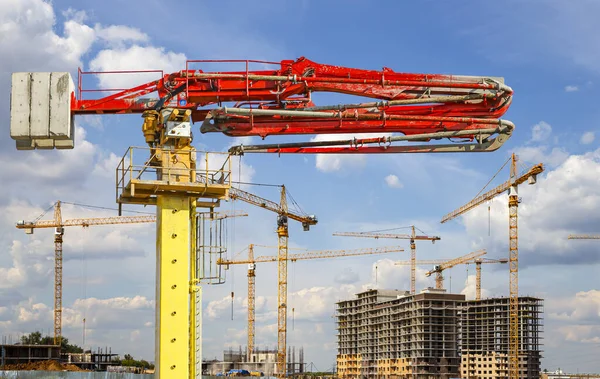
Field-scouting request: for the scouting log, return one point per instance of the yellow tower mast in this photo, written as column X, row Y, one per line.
column 282, row 258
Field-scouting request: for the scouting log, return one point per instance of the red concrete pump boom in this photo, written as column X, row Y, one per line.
column 414, row 108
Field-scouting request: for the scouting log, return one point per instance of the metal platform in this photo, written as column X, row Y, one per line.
column 144, row 173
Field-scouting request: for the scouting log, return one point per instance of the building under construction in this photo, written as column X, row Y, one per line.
column 433, row 334
column 392, row 334
column 485, row 338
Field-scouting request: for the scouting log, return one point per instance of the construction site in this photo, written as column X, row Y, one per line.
column 186, row 187
column 383, row 333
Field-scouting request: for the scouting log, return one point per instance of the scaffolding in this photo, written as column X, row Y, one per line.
column 484, row 343
column 393, row 334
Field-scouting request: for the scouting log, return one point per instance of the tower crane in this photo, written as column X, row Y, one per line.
column 174, row 177
column 477, row 261
column 413, row 248
column 322, row 254
column 439, row 269
column 511, row 185
column 59, row 230
column 283, row 213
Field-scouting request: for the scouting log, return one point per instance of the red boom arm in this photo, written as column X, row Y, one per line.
column 278, row 102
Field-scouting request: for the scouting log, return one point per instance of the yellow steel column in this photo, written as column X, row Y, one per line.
column 514, row 288
column 193, row 292
column 58, row 274
column 282, row 256
column 513, row 310
column 172, row 286
column 413, row 267
column 251, row 300
column 478, row 281
column 413, row 262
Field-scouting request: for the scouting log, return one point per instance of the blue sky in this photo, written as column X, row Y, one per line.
column 548, row 52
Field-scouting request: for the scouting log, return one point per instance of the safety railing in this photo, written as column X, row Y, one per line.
column 171, row 170
column 137, row 76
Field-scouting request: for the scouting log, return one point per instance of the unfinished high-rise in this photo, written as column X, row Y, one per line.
column 392, row 334
column 484, row 337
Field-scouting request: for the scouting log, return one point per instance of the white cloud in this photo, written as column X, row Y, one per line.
column 31, row 267
column 27, row 28
column 551, row 157
column 541, row 131
column 118, row 34
column 585, row 306
column 113, row 313
column 470, row 289
column 134, row 58
column 393, row 181
column 581, row 333
column 587, row 138
column 220, row 308
column 571, row 88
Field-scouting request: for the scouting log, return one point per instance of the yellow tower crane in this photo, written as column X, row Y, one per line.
column 59, row 230
column 283, row 213
column 439, row 269
column 320, row 254
column 477, row 261
column 511, row 185
column 413, row 248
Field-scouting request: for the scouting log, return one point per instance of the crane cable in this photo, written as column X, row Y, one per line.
column 105, row 208
column 44, row 213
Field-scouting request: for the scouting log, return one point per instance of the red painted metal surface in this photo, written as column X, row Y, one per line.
column 407, row 103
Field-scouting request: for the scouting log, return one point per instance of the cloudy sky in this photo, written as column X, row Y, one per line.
column 548, row 51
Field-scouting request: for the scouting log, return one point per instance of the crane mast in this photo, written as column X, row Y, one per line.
column 251, row 299
column 282, row 258
column 58, row 268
